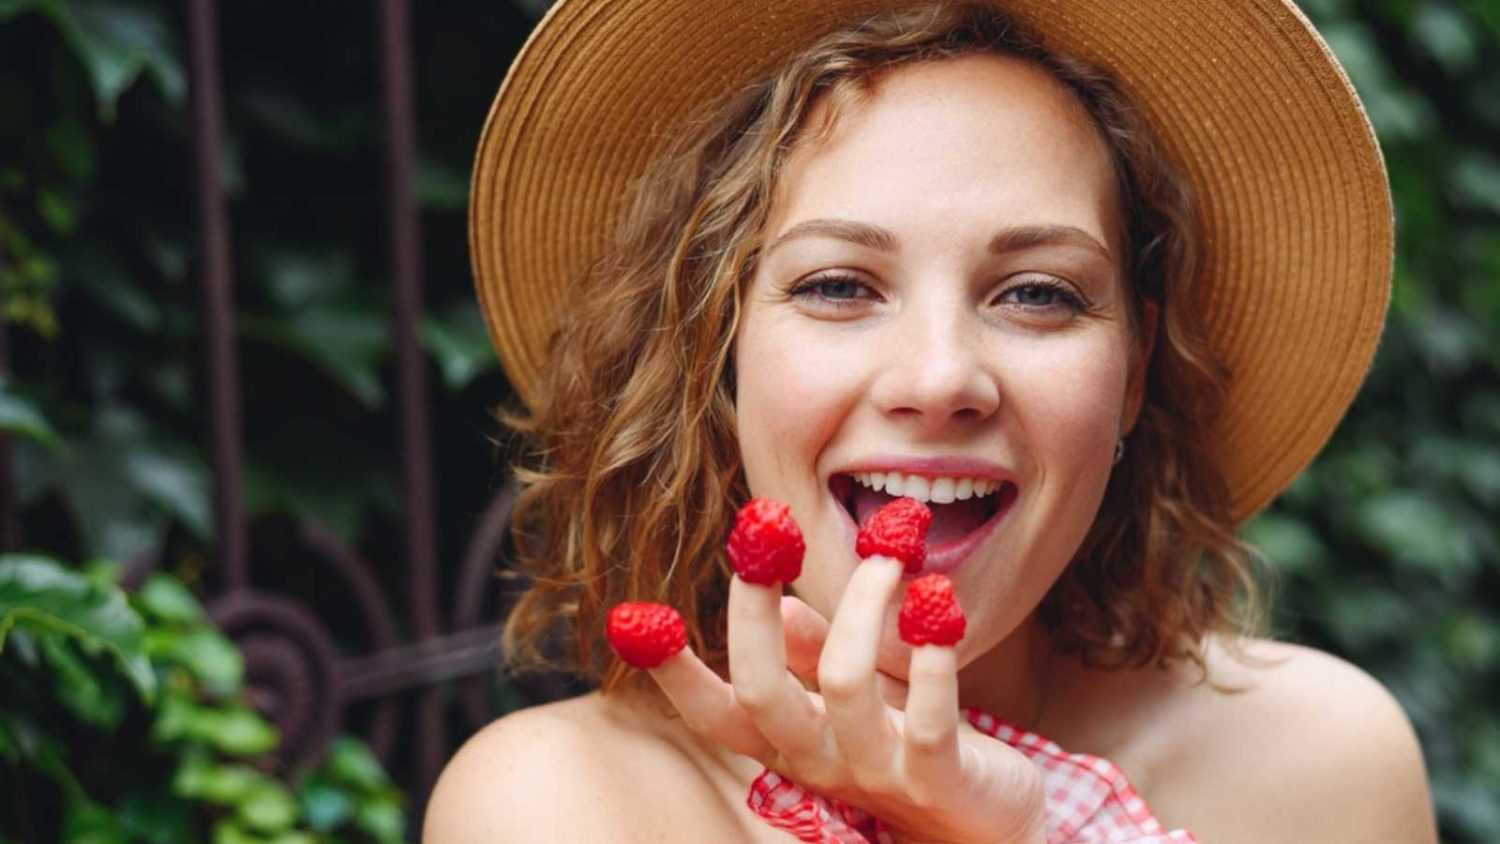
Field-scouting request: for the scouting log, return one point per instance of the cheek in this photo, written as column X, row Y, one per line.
column 790, row 396
column 1072, row 403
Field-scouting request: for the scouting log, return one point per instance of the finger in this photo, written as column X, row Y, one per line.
column 806, row 631
column 708, row 707
column 846, row 672
column 775, row 701
column 930, row 737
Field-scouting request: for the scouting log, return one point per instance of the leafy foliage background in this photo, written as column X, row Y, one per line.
column 1388, row 545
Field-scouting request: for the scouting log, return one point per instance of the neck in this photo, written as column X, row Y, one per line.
column 1012, row 680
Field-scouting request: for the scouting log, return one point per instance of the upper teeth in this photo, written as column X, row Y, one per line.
column 924, row 489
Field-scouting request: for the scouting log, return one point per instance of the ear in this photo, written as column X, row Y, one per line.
column 1140, row 362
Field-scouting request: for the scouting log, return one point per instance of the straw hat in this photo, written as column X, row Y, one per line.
column 1244, row 93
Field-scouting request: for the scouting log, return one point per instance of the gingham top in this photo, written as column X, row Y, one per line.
column 1088, row 800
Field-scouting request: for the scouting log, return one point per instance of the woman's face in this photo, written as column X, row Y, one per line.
column 940, row 296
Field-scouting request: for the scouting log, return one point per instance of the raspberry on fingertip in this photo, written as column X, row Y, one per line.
column 897, row 530
column 766, row 546
column 930, row 614
column 644, row 634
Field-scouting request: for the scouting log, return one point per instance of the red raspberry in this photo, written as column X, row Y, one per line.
column 645, row 635
column 930, row 615
column 898, row 530
column 766, row 545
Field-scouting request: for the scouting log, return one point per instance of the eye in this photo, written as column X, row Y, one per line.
column 1043, row 294
column 835, row 289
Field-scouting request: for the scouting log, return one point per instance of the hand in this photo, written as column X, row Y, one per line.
column 924, row 774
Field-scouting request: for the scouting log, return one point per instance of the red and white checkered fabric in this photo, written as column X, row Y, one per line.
column 1088, row 800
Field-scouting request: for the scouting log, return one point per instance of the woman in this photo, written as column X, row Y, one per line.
column 881, row 250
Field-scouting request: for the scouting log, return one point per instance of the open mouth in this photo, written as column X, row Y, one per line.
column 964, row 510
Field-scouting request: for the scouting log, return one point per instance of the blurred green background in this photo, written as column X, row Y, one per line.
column 124, row 717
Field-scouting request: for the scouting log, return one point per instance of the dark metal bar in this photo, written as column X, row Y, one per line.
column 10, row 526
column 476, row 574
column 478, row 580
column 218, row 300
column 416, row 458
column 426, row 663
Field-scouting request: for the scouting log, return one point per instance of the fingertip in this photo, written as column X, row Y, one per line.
column 933, row 661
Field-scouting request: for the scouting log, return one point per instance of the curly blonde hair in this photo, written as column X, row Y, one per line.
column 636, row 475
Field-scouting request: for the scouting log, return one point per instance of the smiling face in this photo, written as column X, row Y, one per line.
column 941, row 297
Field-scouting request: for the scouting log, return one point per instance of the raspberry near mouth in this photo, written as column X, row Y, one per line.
column 952, row 523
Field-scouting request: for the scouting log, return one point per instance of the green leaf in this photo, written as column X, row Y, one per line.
column 72, row 147
column 43, row 751
column 156, row 817
column 269, row 808
column 86, row 822
column 1394, row 110
column 351, row 762
column 11, row 8
column 229, row 831
column 19, row 416
column 164, row 597
column 298, row 278
column 440, row 186
column 117, row 43
column 126, row 478
column 1364, row 615
column 1445, row 34
column 210, row 657
column 175, row 481
column 324, row 805
column 58, row 210
column 313, row 491
column 235, row 729
column 461, row 344
column 203, row 779
column 1472, row 641
column 294, row 121
column 347, row 343
column 90, row 697
column 243, row 732
column 41, row 594
column 1472, row 803
column 1475, row 180
column 382, row 818
column 117, row 291
column 1418, row 532
column 1288, row 542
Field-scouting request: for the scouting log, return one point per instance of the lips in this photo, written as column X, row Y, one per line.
column 958, row 528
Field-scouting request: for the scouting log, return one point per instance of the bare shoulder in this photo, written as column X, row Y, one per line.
column 577, row 770
column 1302, row 746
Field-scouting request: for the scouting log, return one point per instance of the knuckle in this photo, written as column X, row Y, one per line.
column 837, row 683
column 930, row 739
column 870, row 781
column 754, row 693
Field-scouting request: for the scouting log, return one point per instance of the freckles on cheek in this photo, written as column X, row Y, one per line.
column 1078, row 401
column 790, row 397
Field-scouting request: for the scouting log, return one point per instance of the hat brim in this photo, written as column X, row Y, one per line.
column 1293, row 192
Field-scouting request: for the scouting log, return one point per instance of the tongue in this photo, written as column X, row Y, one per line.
column 949, row 521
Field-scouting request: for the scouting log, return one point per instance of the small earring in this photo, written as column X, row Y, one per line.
column 1119, row 449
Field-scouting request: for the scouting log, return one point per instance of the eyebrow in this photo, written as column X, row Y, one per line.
column 1011, row 239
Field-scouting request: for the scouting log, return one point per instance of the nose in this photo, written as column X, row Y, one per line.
column 935, row 372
